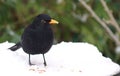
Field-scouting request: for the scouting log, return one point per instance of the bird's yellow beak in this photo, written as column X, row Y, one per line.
column 53, row 21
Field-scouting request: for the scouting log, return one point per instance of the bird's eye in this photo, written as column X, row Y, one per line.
column 43, row 21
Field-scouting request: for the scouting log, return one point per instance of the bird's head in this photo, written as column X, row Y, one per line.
column 43, row 18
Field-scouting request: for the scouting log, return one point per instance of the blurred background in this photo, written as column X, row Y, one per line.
column 75, row 23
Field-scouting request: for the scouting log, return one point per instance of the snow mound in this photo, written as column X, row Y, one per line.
column 66, row 58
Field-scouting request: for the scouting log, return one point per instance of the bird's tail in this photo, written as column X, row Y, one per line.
column 15, row 47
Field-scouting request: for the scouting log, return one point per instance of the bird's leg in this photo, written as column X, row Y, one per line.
column 44, row 60
column 29, row 60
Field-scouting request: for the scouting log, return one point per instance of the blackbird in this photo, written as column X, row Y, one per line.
column 37, row 37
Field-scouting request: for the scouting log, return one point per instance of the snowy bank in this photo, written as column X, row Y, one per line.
column 72, row 59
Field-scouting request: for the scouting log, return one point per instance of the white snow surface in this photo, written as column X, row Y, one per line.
column 63, row 59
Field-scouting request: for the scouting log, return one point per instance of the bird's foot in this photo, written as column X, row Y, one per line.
column 31, row 64
column 45, row 64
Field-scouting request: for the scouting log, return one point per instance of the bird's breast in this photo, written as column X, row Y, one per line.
column 35, row 42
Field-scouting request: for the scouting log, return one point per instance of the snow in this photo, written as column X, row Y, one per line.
column 65, row 58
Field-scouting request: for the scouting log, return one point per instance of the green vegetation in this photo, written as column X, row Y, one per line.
column 76, row 23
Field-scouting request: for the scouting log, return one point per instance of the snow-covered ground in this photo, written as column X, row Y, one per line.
column 70, row 59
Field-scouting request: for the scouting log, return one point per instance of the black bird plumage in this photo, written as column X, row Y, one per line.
column 37, row 38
